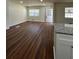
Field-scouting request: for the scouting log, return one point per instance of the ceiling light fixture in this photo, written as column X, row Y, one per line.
column 41, row 0
column 21, row 2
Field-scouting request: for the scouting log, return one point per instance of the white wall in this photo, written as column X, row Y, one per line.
column 16, row 13
column 59, row 12
column 42, row 13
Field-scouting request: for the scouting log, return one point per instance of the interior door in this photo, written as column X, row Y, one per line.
column 49, row 14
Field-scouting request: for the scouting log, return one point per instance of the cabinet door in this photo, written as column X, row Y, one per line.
column 71, row 52
column 63, row 51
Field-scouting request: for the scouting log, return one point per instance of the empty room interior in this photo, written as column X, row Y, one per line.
column 39, row 29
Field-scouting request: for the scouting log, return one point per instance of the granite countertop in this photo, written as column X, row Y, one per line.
column 64, row 28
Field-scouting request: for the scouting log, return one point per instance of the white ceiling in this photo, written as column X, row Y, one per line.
column 39, row 3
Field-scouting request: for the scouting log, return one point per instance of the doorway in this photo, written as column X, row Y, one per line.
column 49, row 15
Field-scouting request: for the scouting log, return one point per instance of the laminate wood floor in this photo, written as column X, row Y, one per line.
column 30, row 40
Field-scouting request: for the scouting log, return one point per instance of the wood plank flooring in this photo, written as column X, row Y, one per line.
column 30, row 40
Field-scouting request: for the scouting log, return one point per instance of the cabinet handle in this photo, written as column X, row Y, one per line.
column 71, row 46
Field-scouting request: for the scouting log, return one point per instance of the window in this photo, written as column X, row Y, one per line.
column 33, row 12
column 69, row 12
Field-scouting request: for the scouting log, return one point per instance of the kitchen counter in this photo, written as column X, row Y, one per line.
column 64, row 28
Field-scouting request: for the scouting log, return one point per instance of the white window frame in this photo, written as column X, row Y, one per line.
column 34, row 12
column 68, row 14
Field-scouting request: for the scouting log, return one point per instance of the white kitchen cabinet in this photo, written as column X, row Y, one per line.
column 64, row 49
